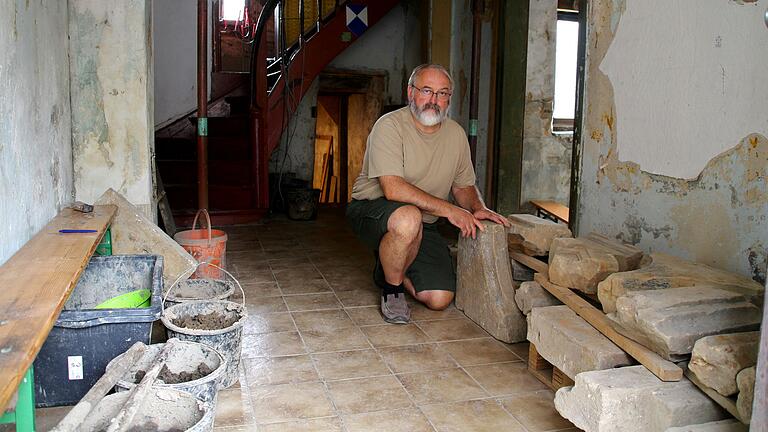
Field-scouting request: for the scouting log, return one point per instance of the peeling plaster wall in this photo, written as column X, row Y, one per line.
column 391, row 46
column 35, row 125
column 719, row 217
column 546, row 171
column 112, row 99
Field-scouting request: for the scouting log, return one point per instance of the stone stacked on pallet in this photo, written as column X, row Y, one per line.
column 670, row 321
column 581, row 263
column 632, row 399
column 569, row 343
column 666, row 271
column 485, row 290
column 716, row 360
column 745, row 381
column 533, row 235
column 532, row 295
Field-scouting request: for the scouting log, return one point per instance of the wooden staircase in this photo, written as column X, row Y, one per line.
column 312, row 33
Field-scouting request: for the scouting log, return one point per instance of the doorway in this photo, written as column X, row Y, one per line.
column 348, row 104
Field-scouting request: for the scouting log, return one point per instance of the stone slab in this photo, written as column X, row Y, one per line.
column 520, row 272
column 716, row 360
column 730, row 425
column 572, row 345
column 533, row 235
column 666, row 271
column 581, row 263
column 532, row 295
column 485, row 290
column 745, row 380
column 670, row 321
column 632, row 399
column 133, row 233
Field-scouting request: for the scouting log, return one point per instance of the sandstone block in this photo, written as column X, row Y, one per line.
column 632, row 399
column 485, row 290
column 570, row 343
column 133, row 233
column 717, row 359
column 670, row 321
column 533, row 235
column 745, row 380
column 730, row 425
column 531, row 295
column 666, row 271
column 581, row 263
column 520, row 272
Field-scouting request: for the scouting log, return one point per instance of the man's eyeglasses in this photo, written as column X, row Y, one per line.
column 428, row 92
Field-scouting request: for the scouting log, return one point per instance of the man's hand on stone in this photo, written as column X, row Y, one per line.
column 487, row 214
column 465, row 221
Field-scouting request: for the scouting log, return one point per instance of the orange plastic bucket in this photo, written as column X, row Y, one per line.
column 206, row 246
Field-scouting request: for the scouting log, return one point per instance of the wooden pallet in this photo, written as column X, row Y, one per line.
column 545, row 372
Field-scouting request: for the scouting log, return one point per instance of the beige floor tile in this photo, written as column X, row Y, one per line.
column 308, row 302
column 243, row 428
column 536, row 411
column 325, row 424
column 269, row 323
column 286, row 402
column 477, row 416
column 394, row 334
column 359, row 297
column 505, row 378
column 263, row 305
column 243, row 246
column 245, row 256
column 520, row 349
column 245, row 266
column 255, row 276
column 297, row 273
column 304, row 286
column 272, row 344
column 287, row 263
column 479, row 351
column 407, row 420
column 366, row 315
column 368, row 394
column 322, row 320
column 419, row 312
column 452, row 329
column 279, row 370
column 350, row 364
column 230, row 409
column 441, row 386
column 417, row 358
column 260, row 289
column 344, row 339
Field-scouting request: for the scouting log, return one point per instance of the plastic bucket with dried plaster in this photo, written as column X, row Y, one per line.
column 164, row 409
column 208, row 246
column 185, row 357
column 227, row 340
column 199, row 289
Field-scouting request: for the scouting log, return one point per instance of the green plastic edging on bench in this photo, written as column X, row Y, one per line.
column 24, row 413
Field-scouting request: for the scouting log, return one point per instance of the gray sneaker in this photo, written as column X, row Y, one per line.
column 395, row 309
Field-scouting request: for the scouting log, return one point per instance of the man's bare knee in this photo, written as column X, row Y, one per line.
column 439, row 300
column 405, row 222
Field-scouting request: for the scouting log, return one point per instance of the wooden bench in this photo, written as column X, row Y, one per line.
column 34, row 285
column 552, row 210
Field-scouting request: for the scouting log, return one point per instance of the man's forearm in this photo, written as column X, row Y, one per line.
column 468, row 198
column 397, row 189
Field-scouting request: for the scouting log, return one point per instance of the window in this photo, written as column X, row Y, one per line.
column 566, row 54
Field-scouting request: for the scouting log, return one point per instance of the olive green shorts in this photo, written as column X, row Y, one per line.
column 431, row 270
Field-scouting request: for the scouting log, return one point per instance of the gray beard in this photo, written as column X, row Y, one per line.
column 426, row 116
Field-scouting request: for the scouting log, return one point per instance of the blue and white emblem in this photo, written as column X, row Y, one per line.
column 357, row 18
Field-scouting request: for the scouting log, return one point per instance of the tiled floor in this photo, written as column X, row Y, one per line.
column 318, row 357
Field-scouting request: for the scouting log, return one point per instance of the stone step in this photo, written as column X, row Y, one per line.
column 533, row 235
column 716, row 360
column 581, row 263
column 670, row 321
column 632, row 399
column 569, row 343
column 666, row 271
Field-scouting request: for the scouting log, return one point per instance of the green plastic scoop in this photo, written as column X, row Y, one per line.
column 134, row 299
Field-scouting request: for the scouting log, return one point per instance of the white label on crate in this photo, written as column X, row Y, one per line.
column 75, row 366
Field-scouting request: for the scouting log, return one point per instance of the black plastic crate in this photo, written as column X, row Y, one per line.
column 92, row 337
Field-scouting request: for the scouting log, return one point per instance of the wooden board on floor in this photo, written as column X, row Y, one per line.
column 665, row 370
column 36, row 282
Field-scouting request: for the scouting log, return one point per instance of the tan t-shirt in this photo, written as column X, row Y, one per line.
column 432, row 162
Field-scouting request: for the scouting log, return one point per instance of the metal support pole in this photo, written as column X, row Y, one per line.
column 202, row 104
column 478, row 7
